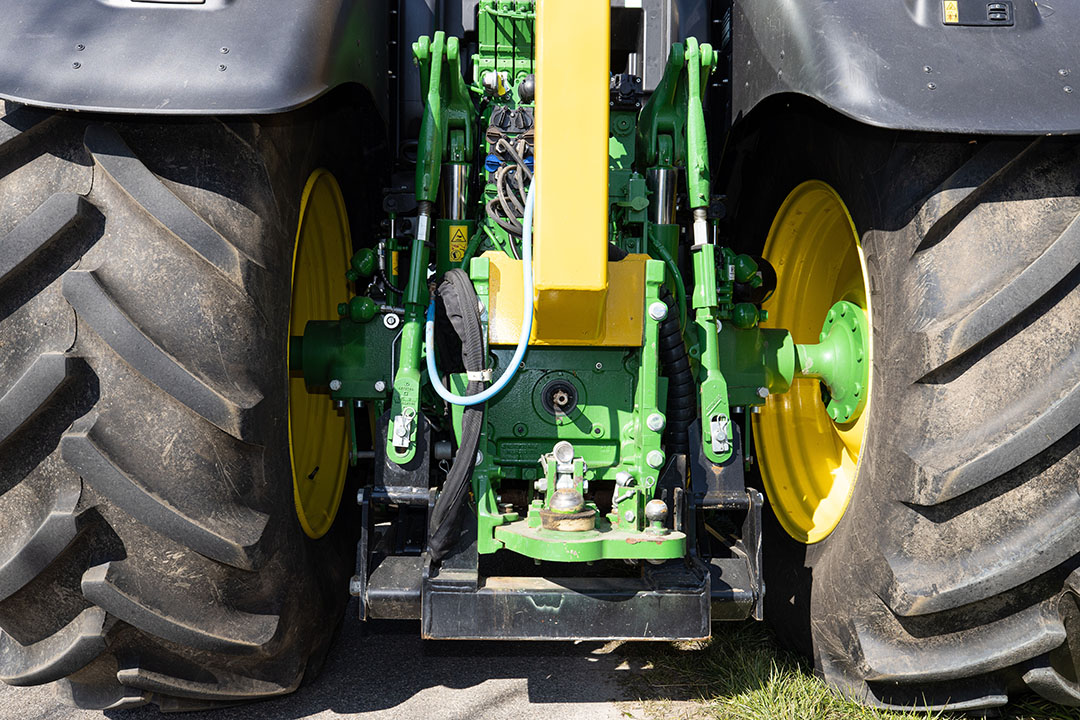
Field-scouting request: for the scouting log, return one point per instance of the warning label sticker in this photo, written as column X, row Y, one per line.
column 952, row 12
column 459, row 240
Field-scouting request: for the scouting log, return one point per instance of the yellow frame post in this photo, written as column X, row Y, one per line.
column 572, row 81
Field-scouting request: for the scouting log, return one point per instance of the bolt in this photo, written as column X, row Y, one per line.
column 931, row 86
column 655, row 422
column 335, row 385
column 599, row 366
column 224, row 51
column 80, row 47
column 391, row 321
column 756, row 410
column 339, row 404
column 222, row 68
column 76, row 65
column 356, row 585
column 655, row 458
column 1067, row 89
column 763, row 392
column 380, row 386
column 623, row 478
column 658, row 311
column 927, row 69
column 540, row 485
column 629, row 516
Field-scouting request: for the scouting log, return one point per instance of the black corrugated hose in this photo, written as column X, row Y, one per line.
column 458, row 300
column 682, row 390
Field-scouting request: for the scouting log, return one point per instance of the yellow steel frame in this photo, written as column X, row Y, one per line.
column 572, row 81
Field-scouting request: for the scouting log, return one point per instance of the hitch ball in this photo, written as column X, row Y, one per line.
column 656, row 512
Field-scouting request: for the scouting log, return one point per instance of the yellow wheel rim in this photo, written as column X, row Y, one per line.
column 318, row 442
column 809, row 463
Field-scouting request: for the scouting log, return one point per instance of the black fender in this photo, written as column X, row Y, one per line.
column 186, row 58
column 896, row 63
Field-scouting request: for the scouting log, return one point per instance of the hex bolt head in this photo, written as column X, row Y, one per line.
column 629, row 516
column 380, row 386
column 655, row 458
column 335, row 385
column 763, row 392
column 655, row 422
column 658, row 311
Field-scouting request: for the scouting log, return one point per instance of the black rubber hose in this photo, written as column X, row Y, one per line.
column 682, row 389
column 458, row 298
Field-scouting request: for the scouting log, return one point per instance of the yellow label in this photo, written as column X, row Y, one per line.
column 394, row 263
column 952, row 12
column 459, row 241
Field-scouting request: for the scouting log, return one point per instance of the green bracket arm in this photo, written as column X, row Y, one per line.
column 446, row 134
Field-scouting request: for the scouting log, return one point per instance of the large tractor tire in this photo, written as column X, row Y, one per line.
column 149, row 545
column 927, row 556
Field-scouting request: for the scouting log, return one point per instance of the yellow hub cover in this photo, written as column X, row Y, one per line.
column 809, row 462
column 318, row 442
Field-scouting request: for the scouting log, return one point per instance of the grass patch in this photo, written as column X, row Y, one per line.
column 743, row 674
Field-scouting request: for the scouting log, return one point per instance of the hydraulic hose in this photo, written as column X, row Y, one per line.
column 682, row 390
column 459, row 299
column 526, row 325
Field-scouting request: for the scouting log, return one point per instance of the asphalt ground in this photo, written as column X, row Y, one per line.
column 382, row 669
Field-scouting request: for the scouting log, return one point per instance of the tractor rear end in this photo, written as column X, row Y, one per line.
column 566, row 321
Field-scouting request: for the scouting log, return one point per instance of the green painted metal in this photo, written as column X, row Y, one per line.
column 840, row 360
column 617, row 422
column 606, row 542
column 350, row 358
column 617, row 390
column 671, row 127
column 359, row 309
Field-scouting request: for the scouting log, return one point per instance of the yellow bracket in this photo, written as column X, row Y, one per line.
column 622, row 316
column 571, row 239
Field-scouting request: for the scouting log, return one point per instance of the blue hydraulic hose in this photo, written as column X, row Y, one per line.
column 526, row 325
